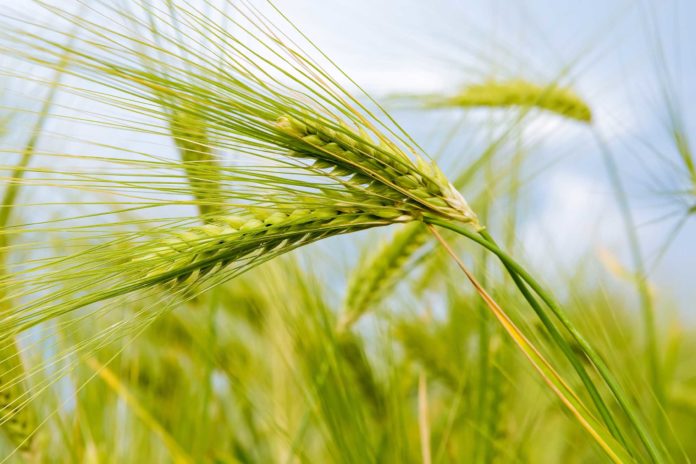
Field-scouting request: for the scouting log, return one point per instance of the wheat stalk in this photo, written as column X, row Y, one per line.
column 17, row 417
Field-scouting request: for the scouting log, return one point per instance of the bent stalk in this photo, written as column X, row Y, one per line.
column 482, row 237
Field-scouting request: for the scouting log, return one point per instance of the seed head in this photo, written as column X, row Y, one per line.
column 382, row 169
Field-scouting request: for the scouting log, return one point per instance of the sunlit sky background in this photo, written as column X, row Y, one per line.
column 605, row 49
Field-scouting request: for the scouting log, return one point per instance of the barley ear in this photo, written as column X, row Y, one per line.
column 191, row 137
column 382, row 170
column 373, row 279
column 517, row 92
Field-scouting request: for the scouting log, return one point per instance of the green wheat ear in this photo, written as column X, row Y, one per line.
column 376, row 275
column 517, row 92
column 194, row 253
column 351, row 349
column 191, row 137
column 383, row 170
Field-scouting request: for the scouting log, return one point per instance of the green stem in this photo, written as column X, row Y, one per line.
column 567, row 350
column 483, row 440
column 513, row 192
column 483, row 238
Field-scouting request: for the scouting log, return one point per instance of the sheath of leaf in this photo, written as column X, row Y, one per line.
column 517, row 92
column 16, row 417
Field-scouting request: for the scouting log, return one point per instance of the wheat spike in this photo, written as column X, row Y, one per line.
column 350, row 348
column 376, row 275
column 517, row 92
column 196, row 252
column 191, row 138
column 383, row 170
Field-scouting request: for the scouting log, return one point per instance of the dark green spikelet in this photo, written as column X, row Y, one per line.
column 191, row 138
column 17, row 418
column 382, row 170
column 377, row 275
